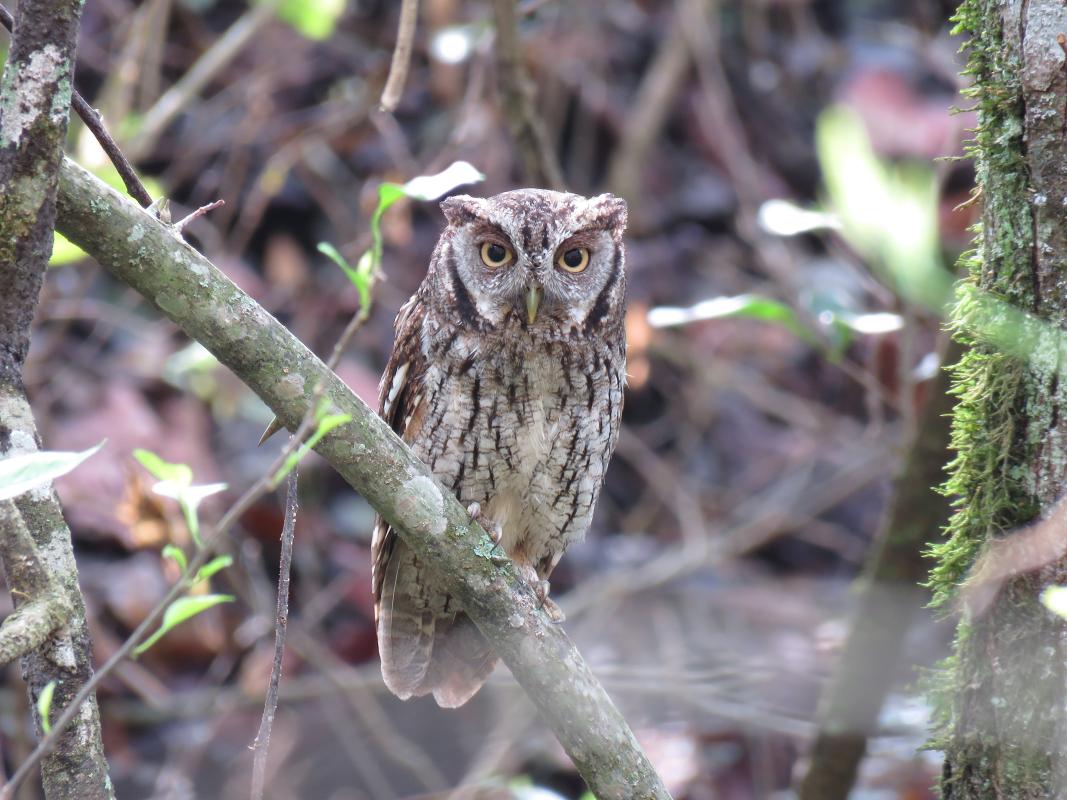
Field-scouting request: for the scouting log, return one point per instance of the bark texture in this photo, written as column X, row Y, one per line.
column 1002, row 702
column 192, row 292
column 35, row 543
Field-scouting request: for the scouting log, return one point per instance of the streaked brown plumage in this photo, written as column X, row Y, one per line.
column 506, row 378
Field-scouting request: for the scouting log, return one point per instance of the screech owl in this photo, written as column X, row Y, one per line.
column 506, row 379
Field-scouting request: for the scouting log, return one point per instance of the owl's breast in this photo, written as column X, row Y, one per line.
column 525, row 433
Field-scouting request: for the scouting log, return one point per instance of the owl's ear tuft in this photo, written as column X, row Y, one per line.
column 461, row 208
column 609, row 212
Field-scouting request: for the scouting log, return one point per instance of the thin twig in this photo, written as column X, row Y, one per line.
column 95, row 124
column 125, row 169
column 270, row 705
column 181, row 224
column 398, row 69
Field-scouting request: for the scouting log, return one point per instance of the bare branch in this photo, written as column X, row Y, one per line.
column 281, row 625
column 398, row 69
column 184, row 222
column 282, row 371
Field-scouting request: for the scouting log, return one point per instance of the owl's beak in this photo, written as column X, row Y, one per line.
column 533, row 302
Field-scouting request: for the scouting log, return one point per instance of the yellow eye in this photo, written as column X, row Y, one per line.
column 495, row 255
column 574, row 260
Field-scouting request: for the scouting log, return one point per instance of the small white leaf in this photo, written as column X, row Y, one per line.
column 189, row 494
column 430, row 187
column 784, row 218
column 19, row 474
column 873, row 323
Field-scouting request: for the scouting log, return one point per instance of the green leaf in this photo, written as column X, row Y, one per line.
column 315, row 19
column 389, row 193
column 44, row 706
column 210, row 568
column 161, row 470
column 334, row 255
column 326, row 424
column 888, row 213
column 21, row 473
column 1055, row 600
column 175, row 554
column 423, row 187
column 179, row 611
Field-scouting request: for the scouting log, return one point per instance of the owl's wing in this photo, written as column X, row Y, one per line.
column 401, row 404
column 424, row 646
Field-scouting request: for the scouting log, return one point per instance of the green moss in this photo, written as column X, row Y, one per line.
column 987, row 481
column 995, row 698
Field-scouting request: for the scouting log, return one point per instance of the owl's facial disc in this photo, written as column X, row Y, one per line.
column 550, row 260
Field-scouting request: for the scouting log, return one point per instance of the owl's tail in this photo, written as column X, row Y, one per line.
column 423, row 651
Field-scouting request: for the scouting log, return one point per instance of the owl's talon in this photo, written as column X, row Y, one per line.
column 541, row 589
column 496, row 533
column 555, row 613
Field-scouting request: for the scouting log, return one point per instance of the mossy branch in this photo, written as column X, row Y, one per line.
column 35, row 619
column 192, row 292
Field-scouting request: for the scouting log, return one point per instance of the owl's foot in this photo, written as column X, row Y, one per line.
column 541, row 589
column 496, row 533
column 555, row 613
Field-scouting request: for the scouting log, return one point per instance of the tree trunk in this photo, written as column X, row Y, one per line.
column 1001, row 702
column 35, row 98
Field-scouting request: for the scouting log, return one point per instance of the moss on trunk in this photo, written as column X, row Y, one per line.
column 1001, row 699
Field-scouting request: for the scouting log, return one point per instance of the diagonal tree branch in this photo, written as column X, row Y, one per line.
column 283, row 372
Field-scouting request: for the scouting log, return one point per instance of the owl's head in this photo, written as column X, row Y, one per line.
column 548, row 260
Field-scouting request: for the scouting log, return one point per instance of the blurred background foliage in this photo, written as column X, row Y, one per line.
column 797, row 205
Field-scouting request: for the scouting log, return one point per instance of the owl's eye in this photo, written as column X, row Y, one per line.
column 575, row 260
column 495, row 255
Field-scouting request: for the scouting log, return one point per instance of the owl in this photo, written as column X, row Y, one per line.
column 506, row 379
